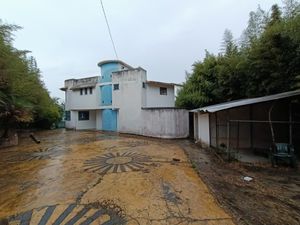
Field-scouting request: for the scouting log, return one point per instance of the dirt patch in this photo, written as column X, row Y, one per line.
column 272, row 197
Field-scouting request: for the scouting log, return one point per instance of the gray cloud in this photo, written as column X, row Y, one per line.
column 166, row 37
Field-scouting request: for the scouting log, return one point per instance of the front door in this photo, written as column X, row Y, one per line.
column 109, row 120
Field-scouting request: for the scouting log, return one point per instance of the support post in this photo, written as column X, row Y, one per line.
column 290, row 124
column 228, row 140
column 217, row 130
column 238, row 136
column 251, row 127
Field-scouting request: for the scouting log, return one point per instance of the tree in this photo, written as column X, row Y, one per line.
column 291, row 8
column 274, row 63
column 201, row 86
column 267, row 62
column 228, row 45
column 23, row 97
column 275, row 15
column 256, row 26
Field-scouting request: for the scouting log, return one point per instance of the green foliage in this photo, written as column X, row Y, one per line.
column 275, row 15
column 23, row 97
column 291, row 8
column 267, row 61
column 256, row 26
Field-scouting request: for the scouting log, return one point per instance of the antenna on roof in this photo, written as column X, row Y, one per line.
column 109, row 31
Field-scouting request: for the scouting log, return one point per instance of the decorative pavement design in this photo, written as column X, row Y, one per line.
column 41, row 154
column 115, row 163
column 105, row 213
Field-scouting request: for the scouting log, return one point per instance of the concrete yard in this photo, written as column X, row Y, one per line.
column 101, row 178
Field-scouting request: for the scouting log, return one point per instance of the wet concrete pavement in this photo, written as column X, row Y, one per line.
column 97, row 178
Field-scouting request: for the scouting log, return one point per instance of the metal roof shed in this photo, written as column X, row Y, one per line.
column 245, row 124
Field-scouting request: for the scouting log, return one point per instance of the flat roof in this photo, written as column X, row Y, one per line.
column 114, row 61
column 82, row 78
column 158, row 83
column 243, row 102
column 130, row 69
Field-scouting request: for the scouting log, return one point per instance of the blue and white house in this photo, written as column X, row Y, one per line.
column 123, row 100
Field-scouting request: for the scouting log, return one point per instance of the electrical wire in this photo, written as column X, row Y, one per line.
column 109, row 31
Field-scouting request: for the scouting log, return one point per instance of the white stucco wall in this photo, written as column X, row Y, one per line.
column 131, row 97
column 154, row 99
column 128, row 99
column 98, row 119
column 165, row 123
column 75, row 101
column 74, row 123
column 203, row 129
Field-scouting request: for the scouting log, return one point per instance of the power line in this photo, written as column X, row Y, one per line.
column 109, row 31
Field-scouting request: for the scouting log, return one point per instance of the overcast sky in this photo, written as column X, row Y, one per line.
column 69, row 37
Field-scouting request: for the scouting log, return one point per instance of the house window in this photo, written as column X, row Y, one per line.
column 67, row 115
column 163, row 91
column 116, row 86
column 83, row 115
column 144, row 85
column 91, row 90
column 85, row 91
column 81, row 91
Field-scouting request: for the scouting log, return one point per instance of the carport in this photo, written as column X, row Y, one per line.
column 250, row 125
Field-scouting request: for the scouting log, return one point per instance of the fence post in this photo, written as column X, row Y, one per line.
column 228, row 140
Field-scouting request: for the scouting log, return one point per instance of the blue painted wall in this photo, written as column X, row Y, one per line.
column 106, row 94
column 109, row 120
column 106, row 71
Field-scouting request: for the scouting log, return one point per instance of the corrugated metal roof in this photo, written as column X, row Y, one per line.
column 243, row 102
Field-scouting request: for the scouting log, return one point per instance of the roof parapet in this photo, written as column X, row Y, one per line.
column 114, row 61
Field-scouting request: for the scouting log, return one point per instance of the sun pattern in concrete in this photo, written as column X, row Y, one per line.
column 39, row 154
column 117, row 162
column 94, row 213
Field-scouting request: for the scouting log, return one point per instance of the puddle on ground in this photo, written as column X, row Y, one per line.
column 59, row 180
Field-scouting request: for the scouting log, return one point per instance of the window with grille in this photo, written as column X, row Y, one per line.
column 163, row 91
column 83, row 115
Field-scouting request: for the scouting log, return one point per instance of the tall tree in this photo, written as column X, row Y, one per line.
column 23, row 97
column 268, row 63
column 291, row 8
column 228, row 45
column 275, row 15
column 256, row 25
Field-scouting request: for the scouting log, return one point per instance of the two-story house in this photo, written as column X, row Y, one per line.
column 116, row 100
column 123, row 100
